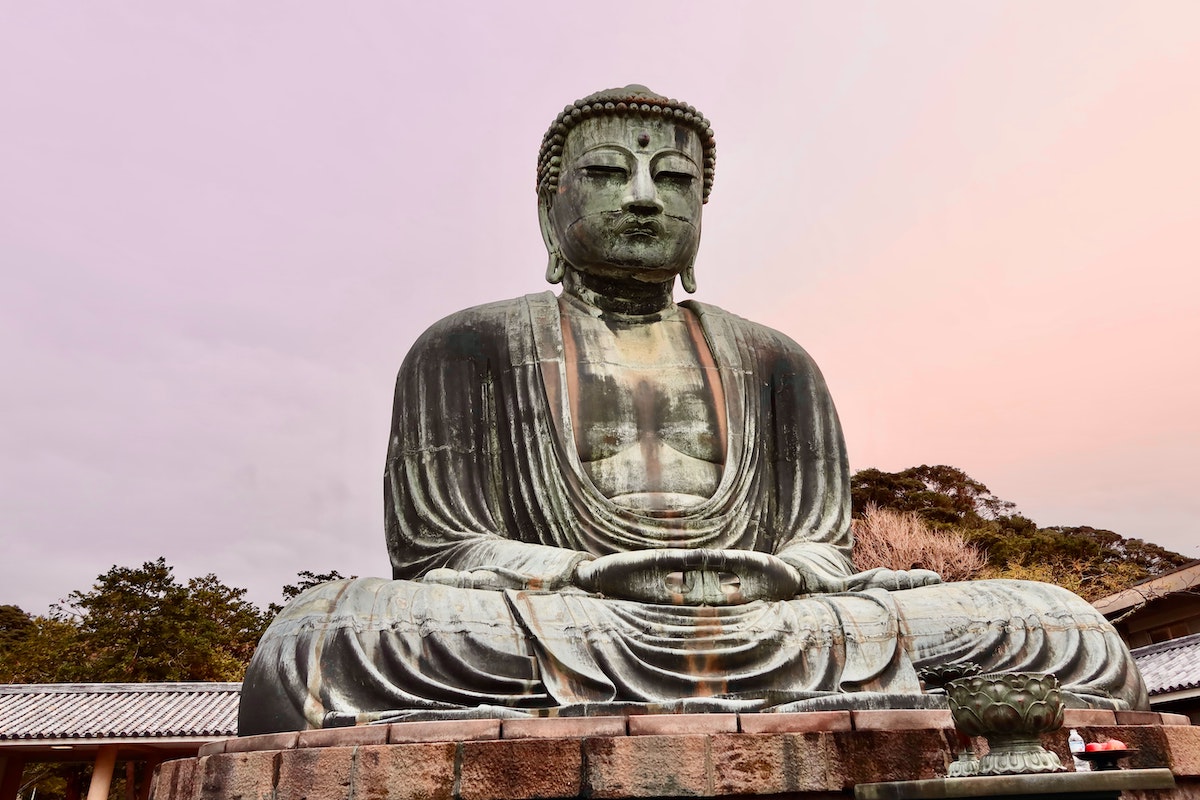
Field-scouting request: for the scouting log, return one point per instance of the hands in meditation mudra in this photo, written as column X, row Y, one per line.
column 607, row 497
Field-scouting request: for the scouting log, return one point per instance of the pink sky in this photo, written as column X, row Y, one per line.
column 223, row 224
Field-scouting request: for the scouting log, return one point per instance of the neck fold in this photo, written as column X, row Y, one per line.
column 630, row 298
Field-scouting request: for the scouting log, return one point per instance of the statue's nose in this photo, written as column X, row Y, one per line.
column 642, row 197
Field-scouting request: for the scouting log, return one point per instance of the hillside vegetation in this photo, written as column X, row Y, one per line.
column 928, row 515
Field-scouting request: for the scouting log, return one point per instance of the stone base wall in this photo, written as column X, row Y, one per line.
column 816, row 756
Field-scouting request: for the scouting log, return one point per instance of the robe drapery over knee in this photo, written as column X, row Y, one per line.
column 483, row 475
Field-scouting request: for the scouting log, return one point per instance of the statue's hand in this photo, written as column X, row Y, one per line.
column 690, row 577
column 891, row 579
column 495, row 580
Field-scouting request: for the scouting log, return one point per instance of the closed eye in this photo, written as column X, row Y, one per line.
column 604, row 171
column 683, row 178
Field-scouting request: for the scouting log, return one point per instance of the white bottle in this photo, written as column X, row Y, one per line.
column 1075, row 742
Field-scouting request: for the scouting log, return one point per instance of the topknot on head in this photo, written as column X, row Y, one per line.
column 634, row 100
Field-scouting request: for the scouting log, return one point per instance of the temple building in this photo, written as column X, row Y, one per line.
column 1159, row 619
column 99, row 726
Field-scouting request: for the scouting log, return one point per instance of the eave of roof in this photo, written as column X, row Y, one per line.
column 1180, row 580
column 118, row 712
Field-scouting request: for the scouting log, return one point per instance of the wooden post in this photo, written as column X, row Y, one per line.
column 102, row 772
column 12, row 767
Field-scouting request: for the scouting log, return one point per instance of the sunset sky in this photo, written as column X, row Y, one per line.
column 223, row 224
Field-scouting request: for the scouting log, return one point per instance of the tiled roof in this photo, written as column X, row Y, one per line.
column 117, row 710
column 1170, row 666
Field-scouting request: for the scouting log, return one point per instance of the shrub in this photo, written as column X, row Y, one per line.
column 884, row 537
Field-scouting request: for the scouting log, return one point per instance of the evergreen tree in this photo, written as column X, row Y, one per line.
column 136, row 624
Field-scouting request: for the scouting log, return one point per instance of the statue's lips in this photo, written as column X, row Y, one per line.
column 650, row 228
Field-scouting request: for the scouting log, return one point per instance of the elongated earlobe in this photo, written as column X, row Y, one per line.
column 555, row 267
column 687, row 278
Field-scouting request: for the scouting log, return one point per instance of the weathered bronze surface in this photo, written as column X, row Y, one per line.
column 607, row 498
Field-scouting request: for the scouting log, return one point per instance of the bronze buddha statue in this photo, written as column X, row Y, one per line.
column 607, row 497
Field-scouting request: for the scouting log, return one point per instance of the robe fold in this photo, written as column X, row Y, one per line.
column 483, row 476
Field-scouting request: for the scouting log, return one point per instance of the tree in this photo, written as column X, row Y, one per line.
column 15, row 625
column 224, row 627
column 140, row 624
column 943, row 496
column 308, row 579
column 1091, row 580
column 48, row 650
column 1152, row 558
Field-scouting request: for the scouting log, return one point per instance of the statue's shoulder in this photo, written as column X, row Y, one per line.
column 495, row 315
column 764, row 341
column 481, row 331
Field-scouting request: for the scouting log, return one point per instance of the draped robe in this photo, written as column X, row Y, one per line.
column 483, row 475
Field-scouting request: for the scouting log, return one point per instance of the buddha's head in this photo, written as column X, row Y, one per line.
column 622, row 177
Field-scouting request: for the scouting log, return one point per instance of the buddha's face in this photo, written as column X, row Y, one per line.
column 629, row 198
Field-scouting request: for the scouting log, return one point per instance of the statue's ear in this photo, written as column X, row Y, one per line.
column 687, row 278
column 555, row 266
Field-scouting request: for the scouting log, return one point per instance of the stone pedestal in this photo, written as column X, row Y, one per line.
column 818, row 756
column 1045, row 786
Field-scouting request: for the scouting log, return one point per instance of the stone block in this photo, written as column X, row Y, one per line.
column 1175, row 719
column 813, row 762
column 1087, row 717
column 748, row 764
column 237, row 776
column 1052, row 740
column 212, row 748
column 322, row 772
column 175, row 780
column 1183, row 749
column 265, row 741
column 800, row 722
column 1138, row 717
column 647, row 766
column 682, row 724
column 404, row 772
column 562, row 727
column 521, row 768
column 160, row 783
column 874, row 756
column 344, row 737
column 446, row 730
column 901, row 719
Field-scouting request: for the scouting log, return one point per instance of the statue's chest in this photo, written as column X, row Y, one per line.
column 652, row 386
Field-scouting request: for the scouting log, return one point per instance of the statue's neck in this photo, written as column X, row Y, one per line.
column 631, row 298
